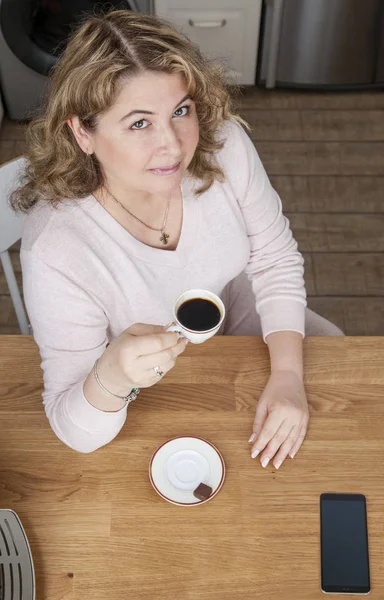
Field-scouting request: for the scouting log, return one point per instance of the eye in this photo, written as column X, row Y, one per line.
column 179, row 114
column 139, row 124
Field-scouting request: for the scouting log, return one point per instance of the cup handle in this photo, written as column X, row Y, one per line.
column 176, row 329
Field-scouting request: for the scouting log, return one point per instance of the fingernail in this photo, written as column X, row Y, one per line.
column 292, row 455
column 278, row 464
column 264, row 462
column 252, row 438
column 255, row 453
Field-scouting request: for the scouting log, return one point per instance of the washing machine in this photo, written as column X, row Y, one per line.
column 33, row 34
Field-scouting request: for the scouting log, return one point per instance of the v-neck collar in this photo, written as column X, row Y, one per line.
column 177, row 258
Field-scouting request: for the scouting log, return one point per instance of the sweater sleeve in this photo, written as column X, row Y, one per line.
column 275, row 266
column 71, row 331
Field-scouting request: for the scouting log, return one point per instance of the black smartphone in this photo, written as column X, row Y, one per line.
column 344, row 544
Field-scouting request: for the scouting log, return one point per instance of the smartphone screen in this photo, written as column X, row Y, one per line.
column 344, row 544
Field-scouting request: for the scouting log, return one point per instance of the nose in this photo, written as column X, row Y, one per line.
column 169, row 143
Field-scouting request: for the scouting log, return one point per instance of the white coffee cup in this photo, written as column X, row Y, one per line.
column 196, row 337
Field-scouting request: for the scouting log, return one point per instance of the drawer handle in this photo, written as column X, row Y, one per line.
column 207, row 24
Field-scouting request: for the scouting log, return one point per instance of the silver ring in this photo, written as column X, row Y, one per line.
column 158, row 371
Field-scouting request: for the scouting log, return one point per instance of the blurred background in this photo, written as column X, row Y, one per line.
column 312, row 78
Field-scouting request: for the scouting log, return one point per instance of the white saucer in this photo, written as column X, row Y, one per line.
column 179, row 465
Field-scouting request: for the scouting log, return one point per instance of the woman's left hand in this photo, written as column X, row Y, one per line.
column 281, row 419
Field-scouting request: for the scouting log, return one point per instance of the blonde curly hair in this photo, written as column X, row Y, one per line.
column 104, row 50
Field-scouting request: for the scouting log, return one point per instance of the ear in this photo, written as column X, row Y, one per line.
column 82, row 136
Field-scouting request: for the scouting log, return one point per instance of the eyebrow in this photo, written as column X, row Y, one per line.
column 148, row 112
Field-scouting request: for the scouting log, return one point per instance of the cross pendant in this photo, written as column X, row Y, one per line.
column 164, row 238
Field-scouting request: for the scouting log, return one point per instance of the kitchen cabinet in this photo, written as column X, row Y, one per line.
column 227, row 31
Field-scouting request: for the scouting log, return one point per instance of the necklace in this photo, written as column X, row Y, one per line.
column 164, row 236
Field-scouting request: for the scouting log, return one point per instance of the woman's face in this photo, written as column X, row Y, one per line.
column 146, row 141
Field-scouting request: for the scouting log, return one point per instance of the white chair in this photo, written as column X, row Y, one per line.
column 10, row 233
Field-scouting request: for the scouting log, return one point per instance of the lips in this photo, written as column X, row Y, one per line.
column 165, row 170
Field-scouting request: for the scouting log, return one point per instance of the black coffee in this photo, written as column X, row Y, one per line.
column 198, row 314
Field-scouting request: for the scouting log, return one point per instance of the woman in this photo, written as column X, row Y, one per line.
column 142, row 184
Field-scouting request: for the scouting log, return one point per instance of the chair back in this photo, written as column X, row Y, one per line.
column 11, row 223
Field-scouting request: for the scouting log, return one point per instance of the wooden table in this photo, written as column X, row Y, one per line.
column 98, row 530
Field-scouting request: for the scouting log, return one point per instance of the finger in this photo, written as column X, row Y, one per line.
column 164, row 369
column 160, row 359
column 144, row 329
column 276, row 442
column 286, row 447
column 299, row 441
column 151, row 377
column 153, row 343
column 261, row 415
column 269, row 429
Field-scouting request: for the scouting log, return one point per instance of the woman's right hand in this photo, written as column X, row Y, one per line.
column 130, row 359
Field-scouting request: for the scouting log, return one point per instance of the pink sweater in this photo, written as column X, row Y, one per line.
column 86, row 279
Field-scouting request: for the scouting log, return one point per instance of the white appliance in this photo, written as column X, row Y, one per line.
column 32, row 35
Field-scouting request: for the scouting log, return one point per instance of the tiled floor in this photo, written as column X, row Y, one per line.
column 324, row 154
